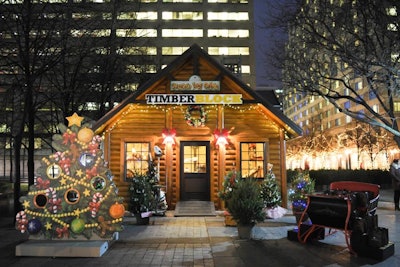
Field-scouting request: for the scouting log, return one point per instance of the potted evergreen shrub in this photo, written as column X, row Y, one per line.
column 142, row 201
column 301, row 186
column 246, row 206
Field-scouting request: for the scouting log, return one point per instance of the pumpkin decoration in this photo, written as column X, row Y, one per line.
column 117, row 210
column 85, row 135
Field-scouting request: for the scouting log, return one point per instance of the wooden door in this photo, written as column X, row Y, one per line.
column 195, row 170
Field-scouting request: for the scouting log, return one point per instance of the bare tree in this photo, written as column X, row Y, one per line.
column 334, row 46
column 26, row 55
column 45, row 66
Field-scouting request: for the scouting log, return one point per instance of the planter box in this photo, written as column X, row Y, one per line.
column 229, row 221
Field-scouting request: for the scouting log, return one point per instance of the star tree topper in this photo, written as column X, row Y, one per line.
column 75, row 119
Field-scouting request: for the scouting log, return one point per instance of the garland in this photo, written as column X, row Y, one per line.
column 196, row 122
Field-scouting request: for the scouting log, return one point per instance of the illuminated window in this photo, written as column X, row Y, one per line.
column 228, row 33
column 232, row 1
column 136, row 159
column 93, row 33
column 90, row 106
column 182, row 33
column 396, row 106
column 83, row 15
column 182, row 1
column 246, row 69
column 392, row 27
column 173, row 50
column 395, row 57
column 228, row 16
column 358, row 85
column 149, row 15
column 168, row 15
column 4, row 128
column 101, row 50
column 215, row 51
column 136, row 33
column 135, row 50
column 195, row 159
column 141, row 69
column 252, row 160
column 392, row 11
column 126, row 87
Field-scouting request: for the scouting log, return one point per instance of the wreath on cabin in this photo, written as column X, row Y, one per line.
column 195, row 121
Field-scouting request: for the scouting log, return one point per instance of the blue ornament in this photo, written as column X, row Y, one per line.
column 34, row 226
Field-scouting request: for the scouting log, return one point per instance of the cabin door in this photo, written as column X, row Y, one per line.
column 195, row 170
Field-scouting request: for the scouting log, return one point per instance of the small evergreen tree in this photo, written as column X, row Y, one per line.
column 245, row 204
column 270, row 192
column 302, row 185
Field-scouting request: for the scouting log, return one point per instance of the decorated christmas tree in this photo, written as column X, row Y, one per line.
column 74, row 195
column 270, row 191
column 271, row 195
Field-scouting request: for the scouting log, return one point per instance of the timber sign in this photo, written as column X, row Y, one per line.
column 191, row 99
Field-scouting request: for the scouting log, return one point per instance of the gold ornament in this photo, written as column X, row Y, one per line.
column 85, row 135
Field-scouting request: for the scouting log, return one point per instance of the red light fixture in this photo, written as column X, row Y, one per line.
column 169, row 136
column 221, row 137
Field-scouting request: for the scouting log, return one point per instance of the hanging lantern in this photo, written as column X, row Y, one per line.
column 221, row 137
column 169, row 136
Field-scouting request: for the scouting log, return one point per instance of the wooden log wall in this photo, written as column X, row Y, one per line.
column 142, row 123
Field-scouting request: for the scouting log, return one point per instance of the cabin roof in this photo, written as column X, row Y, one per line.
column 195, row 61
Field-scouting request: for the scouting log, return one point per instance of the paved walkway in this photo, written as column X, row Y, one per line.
column 205, row 241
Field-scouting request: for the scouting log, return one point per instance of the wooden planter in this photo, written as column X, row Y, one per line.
column 229, row 221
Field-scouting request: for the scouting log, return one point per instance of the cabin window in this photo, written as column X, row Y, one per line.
column 137, row 157
column 195, row 159
column 252, row 160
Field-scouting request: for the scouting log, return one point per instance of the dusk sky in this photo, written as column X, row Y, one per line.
column 264, row 38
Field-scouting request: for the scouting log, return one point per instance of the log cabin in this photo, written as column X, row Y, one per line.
column 205, row 122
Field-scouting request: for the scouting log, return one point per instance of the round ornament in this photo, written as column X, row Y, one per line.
column 87, row 160
column 53, row 171
column 72, row 196
column 40, row 200
column 77, row 225
column 117, row 210
column 193, row 121
column 98, row 183
column 85, row 135
column 34, row 226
